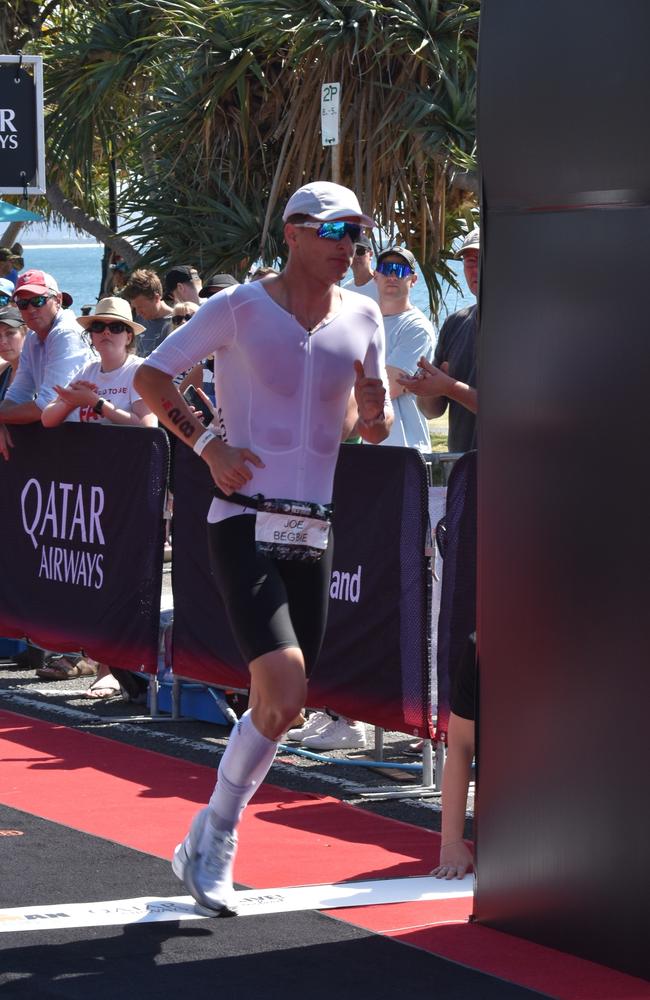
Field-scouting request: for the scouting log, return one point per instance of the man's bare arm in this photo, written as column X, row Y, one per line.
column 432, row 406
column 164, row 399
column 19, row 413
column 229, row 466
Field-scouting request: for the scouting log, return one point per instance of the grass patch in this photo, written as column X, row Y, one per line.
column 438, row 430
column 438, row 441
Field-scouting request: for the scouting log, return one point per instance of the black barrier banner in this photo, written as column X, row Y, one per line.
column 18, row 127
column 375, row 663
column 81, row 550
column 203, row 647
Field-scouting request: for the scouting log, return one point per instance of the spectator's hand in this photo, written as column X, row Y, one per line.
column 394, row 386
column 455, row 861
column 230, row 466
column 5, row 442
column 80, row 393
column 369, row 393
column 429, row 380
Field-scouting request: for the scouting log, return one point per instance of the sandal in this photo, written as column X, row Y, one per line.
column 102, row 691
column 61, row 669
column 105, row 694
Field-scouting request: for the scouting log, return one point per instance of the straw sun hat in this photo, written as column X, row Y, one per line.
column 112, row 308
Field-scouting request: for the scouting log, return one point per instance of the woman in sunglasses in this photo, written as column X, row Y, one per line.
column 182, row 312
column 12, row 337
column 103, row 391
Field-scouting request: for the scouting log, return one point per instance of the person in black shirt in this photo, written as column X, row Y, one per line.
column 451, row 379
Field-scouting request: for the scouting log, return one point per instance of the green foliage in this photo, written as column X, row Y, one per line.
column 211, row 113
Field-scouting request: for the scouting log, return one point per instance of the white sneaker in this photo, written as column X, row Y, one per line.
column 204, row 862
column 313, row 725
column 338, row 735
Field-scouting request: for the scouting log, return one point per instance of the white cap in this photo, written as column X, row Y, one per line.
column 6, row 286
column 326, row 202
column 471, row 242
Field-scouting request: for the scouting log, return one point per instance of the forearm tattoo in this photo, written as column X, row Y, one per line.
column 179, row 420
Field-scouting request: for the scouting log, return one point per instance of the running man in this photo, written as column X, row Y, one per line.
column 289, row 350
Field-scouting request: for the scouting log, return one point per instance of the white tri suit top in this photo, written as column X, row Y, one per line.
column 282, row 392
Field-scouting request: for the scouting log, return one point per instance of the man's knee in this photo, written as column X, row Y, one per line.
column 279, row 690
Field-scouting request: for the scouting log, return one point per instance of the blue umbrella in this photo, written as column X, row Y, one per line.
column 12, row 213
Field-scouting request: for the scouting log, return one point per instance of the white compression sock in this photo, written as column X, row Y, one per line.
column 244, row 765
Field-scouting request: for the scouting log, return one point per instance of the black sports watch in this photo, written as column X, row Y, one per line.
column 99, row 406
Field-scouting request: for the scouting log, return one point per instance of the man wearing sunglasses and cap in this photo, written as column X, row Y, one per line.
column 409, row 337
column 54, row 351
column 289, row 349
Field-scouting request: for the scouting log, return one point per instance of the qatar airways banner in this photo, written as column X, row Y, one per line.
column 81, row 550
column 375, row 664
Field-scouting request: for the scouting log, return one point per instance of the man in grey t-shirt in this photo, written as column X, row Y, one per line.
column 451, row 379
column 144, row 292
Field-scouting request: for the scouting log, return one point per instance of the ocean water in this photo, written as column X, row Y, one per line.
column 77, row 269
column 75, row 266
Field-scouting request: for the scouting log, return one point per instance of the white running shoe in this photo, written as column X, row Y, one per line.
column 338, row 735
column 313, row 725
column 204, row 862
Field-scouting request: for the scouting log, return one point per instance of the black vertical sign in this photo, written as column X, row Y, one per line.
column 564, row 480
column 18, row 127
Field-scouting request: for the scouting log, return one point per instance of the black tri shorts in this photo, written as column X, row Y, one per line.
column 271, row 603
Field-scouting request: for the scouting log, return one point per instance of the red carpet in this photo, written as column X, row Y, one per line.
column 145, row 800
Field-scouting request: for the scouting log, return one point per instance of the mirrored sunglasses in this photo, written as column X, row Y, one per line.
column 98, row 326
column 35, row 300
column 333, row 230
column 389, row 268
column 177, row 320
column 4, row 299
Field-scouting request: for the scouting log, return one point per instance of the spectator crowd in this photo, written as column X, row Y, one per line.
column 57, row 367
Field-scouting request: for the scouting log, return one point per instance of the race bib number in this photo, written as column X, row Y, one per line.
column 290, row 532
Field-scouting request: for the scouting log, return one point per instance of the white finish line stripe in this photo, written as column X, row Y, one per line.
column 250, row 902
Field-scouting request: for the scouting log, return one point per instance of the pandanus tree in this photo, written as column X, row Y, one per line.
column 236, row 125
column 201, row 117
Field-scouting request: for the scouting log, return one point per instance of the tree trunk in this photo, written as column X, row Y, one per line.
column 80, row 220
column 11, row 234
